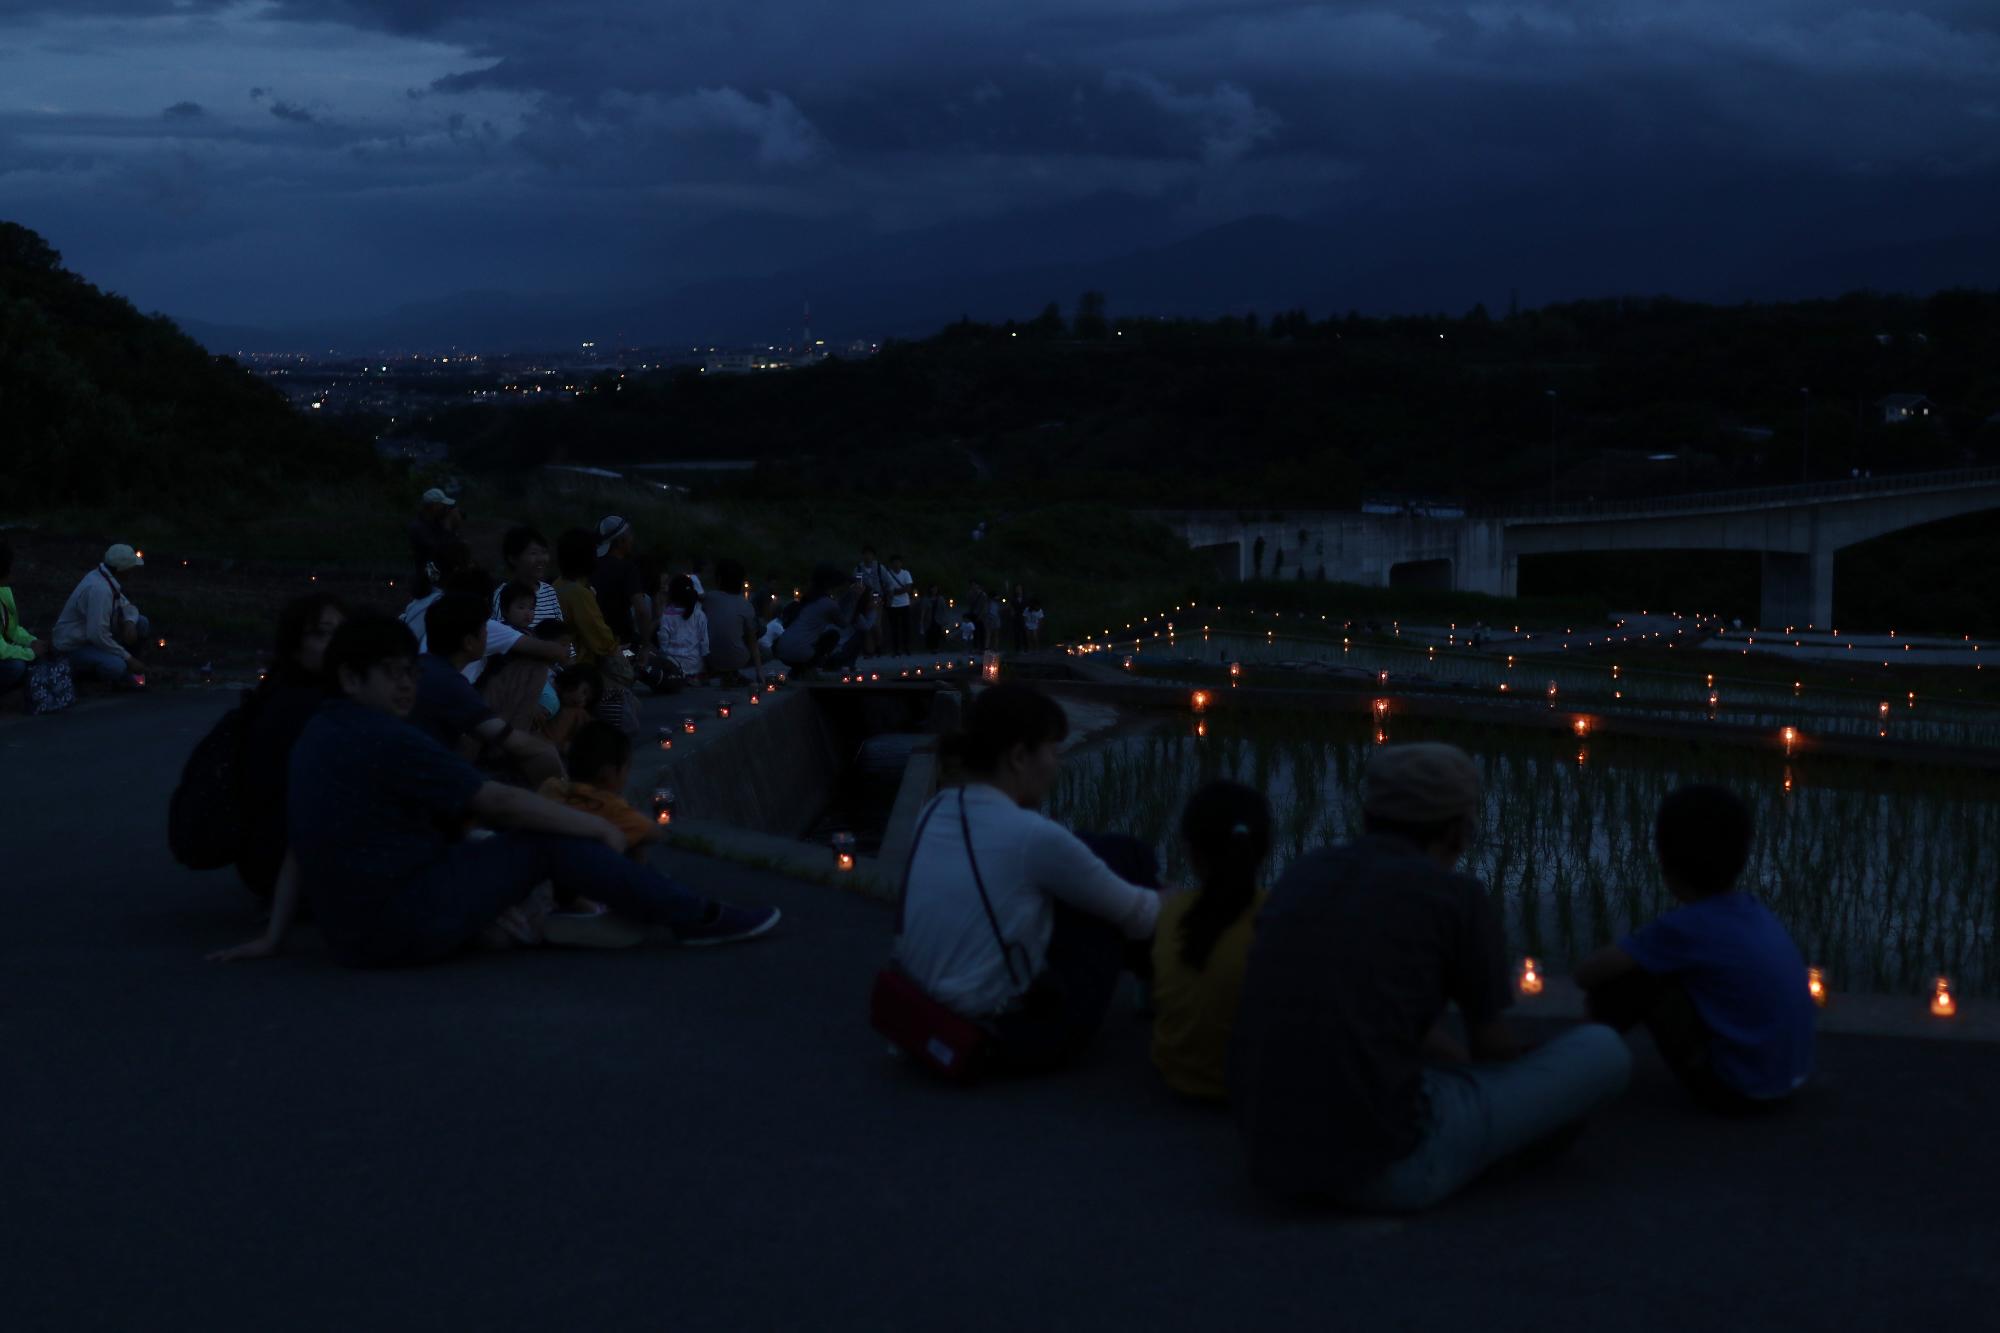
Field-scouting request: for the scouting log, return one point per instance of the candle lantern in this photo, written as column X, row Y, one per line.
column 1381, row 709
column 1553, row 691
column 989, row 668
column 1581, row 726
column 770, row 687
column 1235, row 670
column 687, row 725
column 1942, row 1003
column 1199, row 701
column 1790, row 736
column 722, row 707
column 843, row 851
column 1530, row 982
column 663, row 805
column 1816, row 986
column 1201, row 729
column 1381, row 678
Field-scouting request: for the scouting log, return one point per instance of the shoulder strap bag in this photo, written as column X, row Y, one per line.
column 937, row 1037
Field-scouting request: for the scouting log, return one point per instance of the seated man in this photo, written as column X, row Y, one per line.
column 99, row 630
column 370, row 798
column 1718, row 982
column 450, row 709
column 1344, row 1083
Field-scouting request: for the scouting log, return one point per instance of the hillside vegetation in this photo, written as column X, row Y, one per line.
column 104, row 409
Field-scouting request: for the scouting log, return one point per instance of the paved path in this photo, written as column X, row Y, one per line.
column 709, row 1140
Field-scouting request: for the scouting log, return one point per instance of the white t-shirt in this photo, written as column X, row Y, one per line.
column 684, row 638
column 1028, row 862
column 899, row 581
column 413, row 614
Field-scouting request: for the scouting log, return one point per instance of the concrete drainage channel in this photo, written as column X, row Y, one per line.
column 770, row 783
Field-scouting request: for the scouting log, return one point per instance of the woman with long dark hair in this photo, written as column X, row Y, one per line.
column 1203, row 943
column 1010, row 919
column 279, row 711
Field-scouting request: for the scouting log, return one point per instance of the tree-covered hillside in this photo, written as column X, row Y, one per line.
column 101, row 406
column 1621, row 396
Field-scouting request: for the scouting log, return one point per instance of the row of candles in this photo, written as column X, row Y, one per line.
column 1943, row 1004
column 1714, row 698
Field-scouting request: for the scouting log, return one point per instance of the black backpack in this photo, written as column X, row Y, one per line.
column 204, row 818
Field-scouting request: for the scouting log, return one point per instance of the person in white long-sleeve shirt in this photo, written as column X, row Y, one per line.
column 1065, row 907
column 100, row 631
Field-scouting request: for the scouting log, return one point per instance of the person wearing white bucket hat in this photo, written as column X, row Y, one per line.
column 100, row 631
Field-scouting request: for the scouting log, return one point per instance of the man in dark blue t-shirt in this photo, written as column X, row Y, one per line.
column 451, row 710
column 1718, row 982
column 374, row 809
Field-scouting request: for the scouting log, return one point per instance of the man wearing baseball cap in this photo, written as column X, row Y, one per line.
column 432, row 534
column 1345, row 1084
column 100, row 631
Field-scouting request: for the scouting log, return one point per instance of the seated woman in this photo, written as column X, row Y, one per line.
column 683, row 634
column 1010, row 919
column 279, row 711
column 372, row 799
column 1203, row 944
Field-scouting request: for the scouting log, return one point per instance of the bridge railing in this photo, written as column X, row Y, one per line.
column 1760, row 497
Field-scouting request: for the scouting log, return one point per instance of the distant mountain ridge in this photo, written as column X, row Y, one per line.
column 911, row 285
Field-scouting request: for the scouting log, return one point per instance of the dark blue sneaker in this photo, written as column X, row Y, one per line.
column 725, row 924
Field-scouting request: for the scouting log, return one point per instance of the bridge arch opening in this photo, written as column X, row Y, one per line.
column 1226, row 558
column 1431, row 575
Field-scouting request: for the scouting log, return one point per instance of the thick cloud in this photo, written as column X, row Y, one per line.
column 513, row 143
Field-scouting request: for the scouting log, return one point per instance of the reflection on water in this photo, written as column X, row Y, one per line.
column 1886, row 875
column 1699, row 695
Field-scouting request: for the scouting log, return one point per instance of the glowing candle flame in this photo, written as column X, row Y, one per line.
column 1816, row 986
column 1942, row 1003
column 1199, row 701
column 1531, row 977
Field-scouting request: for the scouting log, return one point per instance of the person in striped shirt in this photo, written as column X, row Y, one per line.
column 525, row 552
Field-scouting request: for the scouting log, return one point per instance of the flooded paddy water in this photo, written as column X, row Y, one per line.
column 1887, row 873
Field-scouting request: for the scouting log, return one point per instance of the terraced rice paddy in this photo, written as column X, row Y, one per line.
column 1887, row 874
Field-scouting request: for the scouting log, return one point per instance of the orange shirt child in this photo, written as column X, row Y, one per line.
column 639, row 831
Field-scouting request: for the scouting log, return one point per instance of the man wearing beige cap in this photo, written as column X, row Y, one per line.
column 100, row 631
column 1344, row 1082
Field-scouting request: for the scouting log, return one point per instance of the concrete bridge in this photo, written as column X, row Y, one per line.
column 1796, row 530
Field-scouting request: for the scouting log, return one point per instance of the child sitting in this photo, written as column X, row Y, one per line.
column 1718, row 982
column 600, row 766
column 578, row 689
column 1202, row 944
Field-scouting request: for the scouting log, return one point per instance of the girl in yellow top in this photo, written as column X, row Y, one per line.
column 1203, row 941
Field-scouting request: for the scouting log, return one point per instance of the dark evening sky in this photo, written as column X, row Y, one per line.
column 283, row 161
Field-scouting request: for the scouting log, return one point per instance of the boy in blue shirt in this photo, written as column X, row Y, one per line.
column 1718, row 982
column 372, row 803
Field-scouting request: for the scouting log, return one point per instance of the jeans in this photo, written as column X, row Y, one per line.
column 97, row 664
column 1478, row 1114
column 1066, row 1005
column 441, row 908
column 12, row 673
column 1663, row 1006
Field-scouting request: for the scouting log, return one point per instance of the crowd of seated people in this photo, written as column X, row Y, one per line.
column 415, row 796
column 1317, row 1009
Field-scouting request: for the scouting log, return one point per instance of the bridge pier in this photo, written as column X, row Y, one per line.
column 1798, row 590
